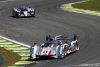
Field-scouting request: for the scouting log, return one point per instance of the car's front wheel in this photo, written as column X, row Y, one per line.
column 18, row 15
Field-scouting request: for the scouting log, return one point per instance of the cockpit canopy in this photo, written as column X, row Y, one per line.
column 51, row 43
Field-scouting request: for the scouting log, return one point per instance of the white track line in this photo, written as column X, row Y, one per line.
column 19, row 43
column 7, row 0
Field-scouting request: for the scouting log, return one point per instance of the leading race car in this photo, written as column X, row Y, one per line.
column 23, row 12
column 57, row 47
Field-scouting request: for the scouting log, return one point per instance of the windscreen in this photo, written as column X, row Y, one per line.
column 51, row 43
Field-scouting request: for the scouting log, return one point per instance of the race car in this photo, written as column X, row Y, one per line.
column 57, row 47
column 23, row 12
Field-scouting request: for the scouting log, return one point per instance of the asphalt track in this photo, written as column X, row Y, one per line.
column 51, row 20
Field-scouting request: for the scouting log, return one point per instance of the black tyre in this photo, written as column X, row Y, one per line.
column 18, row 15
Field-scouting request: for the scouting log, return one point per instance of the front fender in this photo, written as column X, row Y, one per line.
column 33, row 51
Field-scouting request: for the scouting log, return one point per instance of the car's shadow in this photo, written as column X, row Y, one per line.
column 24, row 17
column 41, row 58
column 48, row 58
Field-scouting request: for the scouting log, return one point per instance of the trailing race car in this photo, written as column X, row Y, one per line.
column 23, row 12
column 58, row 47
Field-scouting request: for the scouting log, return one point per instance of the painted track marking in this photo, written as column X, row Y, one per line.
column 68, row 7
column 19, row 48
column 6, row 0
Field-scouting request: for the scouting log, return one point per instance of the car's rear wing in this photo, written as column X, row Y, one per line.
column 60, row 37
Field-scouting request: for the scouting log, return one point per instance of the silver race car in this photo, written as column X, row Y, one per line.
column 23, row 12
column 57, row 47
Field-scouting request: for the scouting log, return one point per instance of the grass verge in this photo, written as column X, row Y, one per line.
column 93, row 5
column 10, row 57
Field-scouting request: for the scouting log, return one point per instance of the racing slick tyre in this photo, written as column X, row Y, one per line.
column 18, row 15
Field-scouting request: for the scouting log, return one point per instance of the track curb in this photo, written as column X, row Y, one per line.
column 68, row 7
column 19, row 48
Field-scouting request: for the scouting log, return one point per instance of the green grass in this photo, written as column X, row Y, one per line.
column 93, row 5
column 10, row 57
